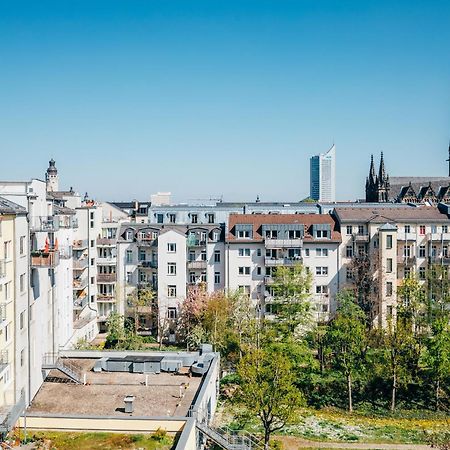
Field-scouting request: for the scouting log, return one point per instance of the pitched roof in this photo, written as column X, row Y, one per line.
column 397, row 185
column 257, row 220
column 400, row 214
column 9, row 207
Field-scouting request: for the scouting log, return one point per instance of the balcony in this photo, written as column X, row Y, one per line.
column 2, row 268
column 65, row 252
column 196, row 242
column 268, row 279
column 80, row 302
column 281, row 261
column 147, row 285
column 2, row 313
column 361, row 237
column 106, row 278
column 402, row 236
column 106, row 298
column 406, row 260
column 80, row 264
column 4, row 360
column 146, row 242
column 106, row 260
column 48, row 224
column 106, row 242
column 68, row 222
column 41, row 259
column 151, row 264
column 283, row 243
column 197, row 264
column 79, row 284
column 80, row 244
column 440, row 236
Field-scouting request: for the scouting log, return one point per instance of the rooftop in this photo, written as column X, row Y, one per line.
column 9, row 207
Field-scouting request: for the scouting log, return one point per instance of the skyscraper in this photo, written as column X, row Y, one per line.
column 323, row 176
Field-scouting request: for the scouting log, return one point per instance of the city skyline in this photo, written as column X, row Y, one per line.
column 200, row 99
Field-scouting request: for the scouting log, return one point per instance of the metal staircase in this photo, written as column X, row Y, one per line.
column 223, row 436
column 52, row 361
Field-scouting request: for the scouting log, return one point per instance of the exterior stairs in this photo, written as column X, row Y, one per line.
column 52, row 361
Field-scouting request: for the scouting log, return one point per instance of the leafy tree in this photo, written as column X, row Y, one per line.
column 141, row 303
column 346, row 339
column 119, row 336
column 267, row 389
column 292, row 290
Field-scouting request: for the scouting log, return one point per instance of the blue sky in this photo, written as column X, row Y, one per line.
column 209, row 98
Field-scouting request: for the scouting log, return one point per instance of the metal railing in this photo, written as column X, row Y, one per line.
column 152, row 264
column 80, row 283
column 2, row 312
column 54, row 361
column 68, row 222
column 196, row 242
column 106, row 241
column 80, row 302
column 106, row 277
column 13, row 414
column 47, row 224
column 65, row 252
column 197, row 264
column 80, row 264
column 282, row 261
column 283, row 243
column 105, row 298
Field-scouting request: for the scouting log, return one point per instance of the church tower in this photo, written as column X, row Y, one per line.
column 51, row 177
column 377, row 186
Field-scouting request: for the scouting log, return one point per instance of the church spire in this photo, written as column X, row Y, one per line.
column 372, row 175
column 382, row 171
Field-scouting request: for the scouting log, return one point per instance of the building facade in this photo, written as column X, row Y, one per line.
column 323, row 176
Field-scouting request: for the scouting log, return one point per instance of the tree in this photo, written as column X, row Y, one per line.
column 346, row 339
column 292, row 290
column 141, row 302
column 267, row 389
column 119, row 336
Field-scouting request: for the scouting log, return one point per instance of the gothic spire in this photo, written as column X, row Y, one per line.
column 372, row 175
column 382, row 171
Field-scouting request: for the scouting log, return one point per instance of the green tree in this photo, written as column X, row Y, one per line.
column 267, row 389
column 141, row 303
column 346, row 339
column 292, row 291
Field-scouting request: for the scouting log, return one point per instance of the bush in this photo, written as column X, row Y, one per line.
column 160, row 435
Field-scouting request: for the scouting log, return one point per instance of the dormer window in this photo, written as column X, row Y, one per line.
column 129, row 235
column 244, row 231
column 322, row 234
column 194, row 218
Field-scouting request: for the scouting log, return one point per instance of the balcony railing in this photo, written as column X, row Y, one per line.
column 106, row 242
column 80, row 264
column 361, row 237
column 2, row 312
column 65, row 252
column 106, row 278
column 79, row 283
column 282, row 261
column 80, row 302
column 196, row 242
column 105, row 298
column 68, row 222
column 80, row 244
column 146, row 242
column 45, row 259
column 4, row 359
column 147, row 285
column 268, row 279
column 283, row 243
column 44, row 223
column 152, row 264
column 406, row 260
column 2, row 268
column 402, row 236
column 107, row 260
column 197, row 264
column 439, row 236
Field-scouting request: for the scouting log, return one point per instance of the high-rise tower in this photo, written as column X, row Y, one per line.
column 323, row 176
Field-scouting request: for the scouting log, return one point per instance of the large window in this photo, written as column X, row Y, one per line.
column 321, row 270
column 244, row 270
column 389, row 241
column 171, row 268
column 171, row 291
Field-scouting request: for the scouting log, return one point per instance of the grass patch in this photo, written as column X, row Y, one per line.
column 100, row 441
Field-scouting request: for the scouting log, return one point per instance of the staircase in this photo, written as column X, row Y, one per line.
column 52, row 361
column 223, row 436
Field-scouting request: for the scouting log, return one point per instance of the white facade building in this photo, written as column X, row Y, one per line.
column 323, row 176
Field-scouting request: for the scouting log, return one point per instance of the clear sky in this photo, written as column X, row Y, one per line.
column 209, row 98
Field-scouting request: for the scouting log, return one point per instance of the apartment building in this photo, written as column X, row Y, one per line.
column 400, row 242
column 259, row 243
column 168, row 259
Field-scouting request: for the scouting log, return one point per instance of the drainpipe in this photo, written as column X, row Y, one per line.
column 30, row 274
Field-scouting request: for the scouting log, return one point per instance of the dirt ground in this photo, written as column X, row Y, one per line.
column 104, row 393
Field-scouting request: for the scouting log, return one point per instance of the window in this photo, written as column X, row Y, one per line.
column 321, row 252
column 217, row 277
column 258, row 252
column 389, row 311
column 129, row 277
column 92, row 243
column 159, row 218
column 422, row 252
column 171, row 268
column 244, row 252
column 7, row 249
column 322, row 234
column 172, row 218
column 389, row 265
column 306, row 251
column 271, row 234
column 349, row 273
column 422, row 229
column 294, row 234
column 422, row 273
column 349, row 229
column 22, row 282
column 349, row 251
column 258, row 270
column 320, row 270
column 92, row 261
column 129, row 256
column 171, row 247
column 244, row 290
column 194, row 218
column 210, row 217
column 171, row 291
column 445, row 228
column 389, row 288
column 203, row 255
column 407, row 251
column 216, row 236
column 360, row 229
column 172, row 313
column 434, row 251
column 244, row 270
column 22, row 320
column 407, row 272
column 322, row 289
column 407, row 229
column 324, row 307
column 129, row 235
column 22, row 245
column 389, row 241
column 217, row 256
column 445, row 252
column 433, row 228
column 22, row 357
column 244, row 234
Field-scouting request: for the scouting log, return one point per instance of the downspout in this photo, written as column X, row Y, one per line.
column 15, row 308
column 30, row 274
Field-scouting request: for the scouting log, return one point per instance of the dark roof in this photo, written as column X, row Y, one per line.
column 402, row 213
column 8, row 207
column 398, row 185
column 62, row 210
